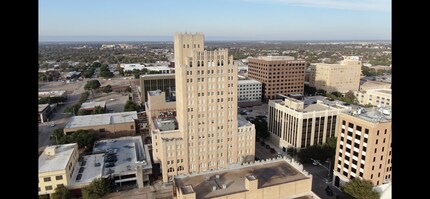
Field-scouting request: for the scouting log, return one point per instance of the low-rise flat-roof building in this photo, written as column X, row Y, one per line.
column 371, row 85
column 160, row 69
column 131, row 67
column 280, row 178
column 89, row 106
column 109, row 124
column 133, row 165
column 56, row 166
column 52, row 94
column 300, row 124
column 45, row 111
column 375, row 97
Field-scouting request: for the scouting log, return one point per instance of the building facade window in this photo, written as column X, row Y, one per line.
column 47, row 179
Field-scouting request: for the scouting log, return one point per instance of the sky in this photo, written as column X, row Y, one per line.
column 158, row 20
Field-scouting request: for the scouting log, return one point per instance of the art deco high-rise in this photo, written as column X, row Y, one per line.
column 209, row 134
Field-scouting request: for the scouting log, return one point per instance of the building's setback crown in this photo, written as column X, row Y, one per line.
column 248, row 81
column 101, row 119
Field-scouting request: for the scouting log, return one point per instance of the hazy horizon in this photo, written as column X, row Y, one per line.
column 98, row 20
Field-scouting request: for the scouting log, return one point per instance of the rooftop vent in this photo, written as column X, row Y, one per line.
column 213, row 188
column 224, row 186
column 217, row 176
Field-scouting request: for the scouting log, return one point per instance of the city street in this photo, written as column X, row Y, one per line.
column 319, row 180
column 58, row 116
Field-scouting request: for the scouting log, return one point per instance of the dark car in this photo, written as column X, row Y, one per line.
column 272, row 151
column 267, row 146
column 328, row 191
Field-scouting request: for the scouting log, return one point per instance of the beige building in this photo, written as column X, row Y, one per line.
column 206, row 133
column 152, row 82
column 300, row 124
column 364, row 146
column 279, row 75
column 341, row 77
column 56, row 166
column 109, row 124
column 376, row 97
column 372, row 85
column 287, row 180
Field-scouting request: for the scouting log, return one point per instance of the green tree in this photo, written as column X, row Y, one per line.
column 84, row 112
column 96, row 65
column 61, row 192
column 360, row 189
column 337, row 94
column 44, row 196
column 97, row 189
column 98, row 110
column 131, row 106
column 107, row 89
column 92, row 85
column 350, row 97
column 128, row 89
column 58, row 137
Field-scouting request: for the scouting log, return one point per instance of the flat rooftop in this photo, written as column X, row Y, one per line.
column 166, row 124
column 310, row 104
column 276, row 58
column 42, row 107
column 89, row 169
column 51, row 93
column 268, row 174
column 374, row 115
column 101, row 119
column 156, row 76
column 129, row 151
column 90, row 105
column 158, row 68
column 241, row 121
column 248, row 81
column 57, row 162
column 386, row 91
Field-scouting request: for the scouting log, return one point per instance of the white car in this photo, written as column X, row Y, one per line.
column 52, row 123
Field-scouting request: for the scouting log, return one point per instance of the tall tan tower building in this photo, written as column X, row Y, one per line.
column 279, row 75
column 209, row 134
column 364, row 146
column 341, row 77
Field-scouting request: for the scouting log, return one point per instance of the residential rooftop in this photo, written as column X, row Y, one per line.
column 101, row 119
column 91, row 105
column 268, row 174
column 129, row 151
column 42, row 107
column 59, row 159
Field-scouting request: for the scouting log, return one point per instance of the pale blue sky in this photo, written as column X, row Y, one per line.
column 98, row 20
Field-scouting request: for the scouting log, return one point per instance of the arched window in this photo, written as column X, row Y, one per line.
column 217, row 63
column 191, row 64
column 180, row 168
column 171, row 169
column 188, row 45
column 222, row 62
column 198, row 63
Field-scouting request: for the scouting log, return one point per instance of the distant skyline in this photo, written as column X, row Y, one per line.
column 158, row 20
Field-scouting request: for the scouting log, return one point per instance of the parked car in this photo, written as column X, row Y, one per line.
column 272, row 151
column 267, row 146
column 52, row 124
column 316, row 162
column 328, row 191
